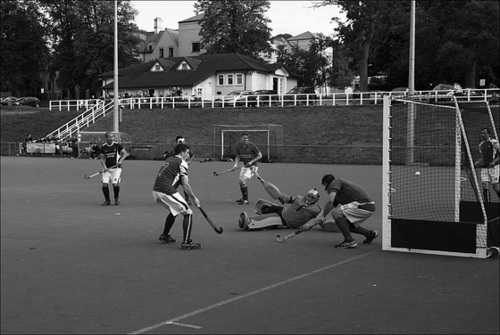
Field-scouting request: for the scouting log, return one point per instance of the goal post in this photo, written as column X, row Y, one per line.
column 433, row 203
column 268, row 138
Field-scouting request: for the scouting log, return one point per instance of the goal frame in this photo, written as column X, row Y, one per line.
column 273, row 134
column 467, row 229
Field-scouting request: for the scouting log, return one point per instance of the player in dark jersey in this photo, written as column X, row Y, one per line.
column 356, row 205
column 174, row 172
column 112, row 156
column 249, row 154
column 489, row 163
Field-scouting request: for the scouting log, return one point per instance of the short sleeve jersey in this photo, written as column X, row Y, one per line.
column 112, row 153
column 247, row 153
column 348, row 192
column 488, row 151
column 297, row 213
column 169, row 177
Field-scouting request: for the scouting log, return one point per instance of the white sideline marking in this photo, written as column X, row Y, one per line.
column 174, row 320
column 184, row 325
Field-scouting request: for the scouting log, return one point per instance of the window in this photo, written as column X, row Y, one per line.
column 161, row 53
column 239, row 79
column 157, row 68
column 170, row 52
column 195, row 47
column 220, row 80
column 184, row 66
column 230, row 80
column 150, row 47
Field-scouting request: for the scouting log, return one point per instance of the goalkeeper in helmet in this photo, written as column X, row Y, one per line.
column 294, row 212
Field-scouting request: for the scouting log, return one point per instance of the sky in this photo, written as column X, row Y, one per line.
column 288, row 17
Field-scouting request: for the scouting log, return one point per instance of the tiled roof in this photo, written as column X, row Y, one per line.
column 193, row 18
column 304, row 36
column 203, row 66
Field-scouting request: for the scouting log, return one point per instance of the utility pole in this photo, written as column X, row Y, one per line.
column 410, row 141
column 116, row 128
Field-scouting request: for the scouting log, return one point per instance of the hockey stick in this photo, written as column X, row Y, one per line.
column 297, row 232
column 219, row 230
column 86, row 177
column 222, row 172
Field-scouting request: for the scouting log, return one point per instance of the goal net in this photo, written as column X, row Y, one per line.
column 87, row 139
column 268, row 138
column 432, row 194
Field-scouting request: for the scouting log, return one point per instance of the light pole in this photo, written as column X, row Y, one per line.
column 116, row 128
column 411, row 90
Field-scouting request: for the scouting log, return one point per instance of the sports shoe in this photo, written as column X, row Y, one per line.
column 492, row 252
column 166, row 238
column 190, row 245
column 106, row 203
column 244, row 221
column 373, row 235
column 243, row 202
column 347, row 245
column 117, row 202
column 240, row 200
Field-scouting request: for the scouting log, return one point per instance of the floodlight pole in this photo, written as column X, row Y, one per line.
column 115, row 74
column 411, row 90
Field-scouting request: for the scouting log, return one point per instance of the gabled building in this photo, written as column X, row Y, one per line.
column 185, row 41
column 202, row 76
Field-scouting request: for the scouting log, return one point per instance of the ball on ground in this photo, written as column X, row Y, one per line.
column 417, row 173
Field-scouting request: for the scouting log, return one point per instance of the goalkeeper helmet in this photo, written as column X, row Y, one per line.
column 312, row 196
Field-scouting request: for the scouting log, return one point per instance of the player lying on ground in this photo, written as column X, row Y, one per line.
column 295, row 212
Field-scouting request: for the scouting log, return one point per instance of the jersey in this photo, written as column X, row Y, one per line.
column 297, row 212
column 488, row 152
column 348, row 192
column 112, row 152
column 169, row 177
column 247, row 153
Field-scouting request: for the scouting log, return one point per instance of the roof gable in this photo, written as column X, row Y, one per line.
column 197, row 69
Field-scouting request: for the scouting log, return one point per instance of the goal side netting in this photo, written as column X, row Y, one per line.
column 432, row 193
column 268, row 138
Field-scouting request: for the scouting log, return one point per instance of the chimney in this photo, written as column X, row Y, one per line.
column 158, row 24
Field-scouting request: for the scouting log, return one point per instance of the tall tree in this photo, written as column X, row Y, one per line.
column 467, row 39
column 313, row 65
column 24, row 50
column 83, row 35
column 235, row 26
column 363, row 19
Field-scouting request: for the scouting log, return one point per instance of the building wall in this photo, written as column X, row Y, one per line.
column 166, row 41
column 189, row 33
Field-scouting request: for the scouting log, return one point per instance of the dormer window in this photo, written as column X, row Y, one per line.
column 157, row 67
column 150, row 47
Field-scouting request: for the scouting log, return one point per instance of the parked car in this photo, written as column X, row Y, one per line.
column 399, row 92
column 264, row 96
column 29, row 101
column 302, row 94
column 10, row 101
column 237, row 97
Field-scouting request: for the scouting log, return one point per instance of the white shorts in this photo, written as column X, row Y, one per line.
column 354, row 214
column 113, row 175
column 247, row 173
column 490, row 174
column 175, row 203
